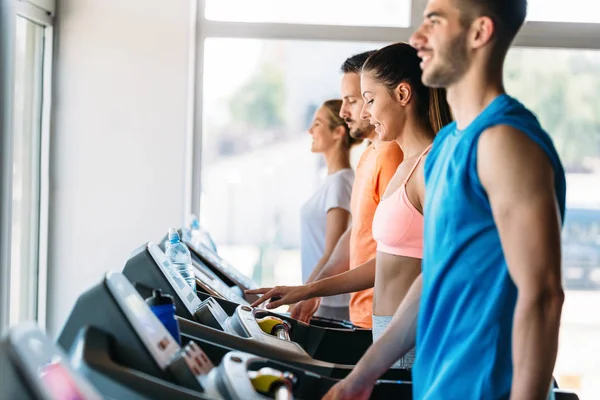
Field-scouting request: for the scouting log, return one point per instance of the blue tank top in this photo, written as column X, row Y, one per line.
column 466, row 312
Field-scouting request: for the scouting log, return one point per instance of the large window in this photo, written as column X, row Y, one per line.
column 27, row 108
column 330, row 12
column 391, row 13
column 259, row 97
column 563, row 88
column 257, row 167
column 29, row 28
column 258, row 93
column 564, row 11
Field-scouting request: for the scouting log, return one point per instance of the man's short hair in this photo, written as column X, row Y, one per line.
column 508, row 16
column 355, row 63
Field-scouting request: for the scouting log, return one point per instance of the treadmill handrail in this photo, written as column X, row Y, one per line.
column 248, row 345
column 201, row 333
column 222, row 265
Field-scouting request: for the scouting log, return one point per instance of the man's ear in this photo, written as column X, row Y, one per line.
column 481, row 32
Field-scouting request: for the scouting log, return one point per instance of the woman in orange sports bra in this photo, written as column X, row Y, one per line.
column 402, row 109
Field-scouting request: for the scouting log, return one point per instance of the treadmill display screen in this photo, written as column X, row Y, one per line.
column 141, row 311
column 58, row 382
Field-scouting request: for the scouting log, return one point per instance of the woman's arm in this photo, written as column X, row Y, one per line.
column 360, row 278
column 354, row 280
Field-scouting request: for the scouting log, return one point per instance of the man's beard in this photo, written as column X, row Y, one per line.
column 359, row 132
column 453, row 63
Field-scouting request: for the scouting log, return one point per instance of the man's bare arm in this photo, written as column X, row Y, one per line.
column 519, row 181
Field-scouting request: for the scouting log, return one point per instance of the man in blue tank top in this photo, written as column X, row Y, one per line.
column 490, row 296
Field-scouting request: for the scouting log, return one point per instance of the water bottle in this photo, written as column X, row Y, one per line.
column 163, row 307
column 181, row 260
column 199, row 236
column 195, row 233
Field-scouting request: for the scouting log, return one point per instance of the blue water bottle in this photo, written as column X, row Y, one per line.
column 163, row 307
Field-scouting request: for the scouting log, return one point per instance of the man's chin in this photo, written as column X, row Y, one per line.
column 357, row 134
column 433, row 81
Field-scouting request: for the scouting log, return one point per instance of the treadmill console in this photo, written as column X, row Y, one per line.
column 202, row 273
column 44, row 369
column 227, row 269
column 187, row 365
column 151, row 331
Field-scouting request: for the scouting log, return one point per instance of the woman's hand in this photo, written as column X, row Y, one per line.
column 284, row 295
column 350, row 388
column 305, row 309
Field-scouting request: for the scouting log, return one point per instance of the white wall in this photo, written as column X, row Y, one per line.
column 118, row 137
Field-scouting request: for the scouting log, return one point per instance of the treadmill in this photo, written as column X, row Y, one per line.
column 206, row 255
column 114, row 339
column 33, row 368
column 326, row 351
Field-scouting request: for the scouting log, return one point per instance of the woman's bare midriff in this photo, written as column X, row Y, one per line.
column 393, row 277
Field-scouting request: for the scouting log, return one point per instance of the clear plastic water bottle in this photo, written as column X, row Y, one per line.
column 199, row 236
column 195, row 233
column 180, row 258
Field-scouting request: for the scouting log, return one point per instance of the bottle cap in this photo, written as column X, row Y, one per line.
column 159, row 299
column 173, row 236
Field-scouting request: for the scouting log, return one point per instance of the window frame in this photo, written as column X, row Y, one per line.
column 40, row 12
column 534, row 34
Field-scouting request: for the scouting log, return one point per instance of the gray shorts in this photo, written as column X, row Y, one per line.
column 380, row 323
column 339, row 313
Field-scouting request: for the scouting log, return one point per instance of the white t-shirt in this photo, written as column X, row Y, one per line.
column 333, row 193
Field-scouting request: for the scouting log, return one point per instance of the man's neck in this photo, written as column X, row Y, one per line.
column 472, row 94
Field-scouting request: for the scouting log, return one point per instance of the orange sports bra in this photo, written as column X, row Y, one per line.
column 397, row 224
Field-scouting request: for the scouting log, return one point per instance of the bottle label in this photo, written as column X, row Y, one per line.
column 185, row 293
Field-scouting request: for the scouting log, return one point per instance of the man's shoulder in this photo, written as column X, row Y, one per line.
column 390, row 152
